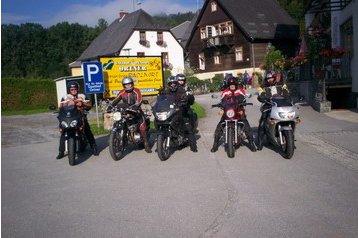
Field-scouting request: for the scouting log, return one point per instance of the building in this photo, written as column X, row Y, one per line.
column 233, row 35
column 335, row 25
column 135, row 34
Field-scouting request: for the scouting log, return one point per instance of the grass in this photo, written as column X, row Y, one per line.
column 24, row 112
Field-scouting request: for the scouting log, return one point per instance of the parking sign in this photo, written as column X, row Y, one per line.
column 93, row 77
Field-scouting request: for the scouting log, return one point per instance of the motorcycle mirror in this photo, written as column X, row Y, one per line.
column 52, row 107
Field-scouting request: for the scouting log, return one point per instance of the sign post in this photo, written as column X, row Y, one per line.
column 93, row 80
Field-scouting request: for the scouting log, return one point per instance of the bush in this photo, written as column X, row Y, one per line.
column 27, row 94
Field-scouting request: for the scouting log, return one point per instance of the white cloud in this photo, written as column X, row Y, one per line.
column 7, row 18
column 89, row 14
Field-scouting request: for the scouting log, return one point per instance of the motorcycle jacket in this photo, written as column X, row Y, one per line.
column 180, row 95
column 266, row 91
column 81, row 106
column 130, row 98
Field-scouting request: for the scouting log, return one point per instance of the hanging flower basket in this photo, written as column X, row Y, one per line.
column 332, row 53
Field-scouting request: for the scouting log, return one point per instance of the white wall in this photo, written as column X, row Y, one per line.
column 174, row 49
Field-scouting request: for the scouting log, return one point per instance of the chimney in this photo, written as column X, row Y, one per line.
column 122, row 14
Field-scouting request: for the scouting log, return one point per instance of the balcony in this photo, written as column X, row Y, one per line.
column 217, row 41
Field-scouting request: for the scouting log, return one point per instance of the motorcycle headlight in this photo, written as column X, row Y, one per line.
column 230, row 113
column 287, row 115
column 162, row 116
column 117, row 116
column 64, row 124
column 73, row 123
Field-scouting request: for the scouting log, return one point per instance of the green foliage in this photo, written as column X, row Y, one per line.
column 216, row 83
column 200, row 111
column 20, row 94
column 173, row 20
column 271, row 58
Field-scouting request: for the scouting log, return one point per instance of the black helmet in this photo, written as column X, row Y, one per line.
column 73, row 84
column 128, row 80
column 232, row 81
column 181, row 77
column 269, row 74
column 172, row 80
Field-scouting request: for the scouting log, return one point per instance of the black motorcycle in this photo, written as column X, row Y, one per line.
column 125, row 129
column 172, row 128
column 72, row 126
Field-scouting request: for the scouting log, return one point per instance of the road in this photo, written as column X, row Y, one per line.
column 315, row 194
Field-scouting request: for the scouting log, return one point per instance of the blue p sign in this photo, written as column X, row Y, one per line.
column 93, row 76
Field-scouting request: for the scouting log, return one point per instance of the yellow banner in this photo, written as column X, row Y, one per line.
column 147, row 73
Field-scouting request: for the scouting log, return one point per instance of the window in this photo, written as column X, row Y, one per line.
column 142, row 38
column 203, row 33
column 217, row 59
column 140, row 54
column 213, row 7
column 165, row 58
column 225, row 28
column 210, row 31
column 238, row 53
column 202, row 61
column 160, row 38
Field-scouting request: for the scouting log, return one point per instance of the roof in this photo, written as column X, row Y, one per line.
column 259, row 19
column 179, row 30
column 113, row 38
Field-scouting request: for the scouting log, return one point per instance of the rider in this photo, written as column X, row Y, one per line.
column 181, row 97
column 272, row 86
column 188, row 111
column 133, row 97
column 82, row 102
column 239, row 93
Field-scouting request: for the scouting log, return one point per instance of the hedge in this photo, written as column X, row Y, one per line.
column 27, row 94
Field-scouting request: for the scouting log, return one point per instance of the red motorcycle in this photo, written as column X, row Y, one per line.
column 232, row 114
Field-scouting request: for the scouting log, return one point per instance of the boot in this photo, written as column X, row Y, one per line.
column 215, row 146
column 146, row 144
column 94, row 149
column 192, row 143
column 259, row 142
column 252, row 145
column 60, row 155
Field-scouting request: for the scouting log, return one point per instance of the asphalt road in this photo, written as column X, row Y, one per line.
column 315, row 194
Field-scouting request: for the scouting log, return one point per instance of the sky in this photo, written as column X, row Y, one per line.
column 85, row 12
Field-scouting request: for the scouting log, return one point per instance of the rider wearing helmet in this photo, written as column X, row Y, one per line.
column 272, row 86
column 181, row 97
column 82, row 105
column 233, row 92
column 188, row 111
column 132, row 96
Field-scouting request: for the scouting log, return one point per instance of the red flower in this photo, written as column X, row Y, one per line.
column 332, row 53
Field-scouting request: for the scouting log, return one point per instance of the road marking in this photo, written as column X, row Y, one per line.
column 334, row 152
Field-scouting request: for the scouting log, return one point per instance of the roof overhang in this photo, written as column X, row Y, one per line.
column 319, row 6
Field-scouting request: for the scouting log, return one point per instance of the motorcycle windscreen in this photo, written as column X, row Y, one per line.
column 164, row 103
column 282, row 102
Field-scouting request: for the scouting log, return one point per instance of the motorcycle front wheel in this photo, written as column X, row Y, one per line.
column 230, row 150
column 71, row 151
column 163, row 149
column 116, row 145
column 287, row 147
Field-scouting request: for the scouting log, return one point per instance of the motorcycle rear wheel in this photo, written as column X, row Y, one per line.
column 116, row 145
column 162, row 149
column 287, row 148
column 230, row 150
column 71, row 151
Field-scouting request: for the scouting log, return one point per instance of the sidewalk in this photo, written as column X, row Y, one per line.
column 350, row 115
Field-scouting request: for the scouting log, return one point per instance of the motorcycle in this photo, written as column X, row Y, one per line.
column 233, row 127
column 280, row 126
column 172, row 129
column 72, row 126
column 125, row 130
